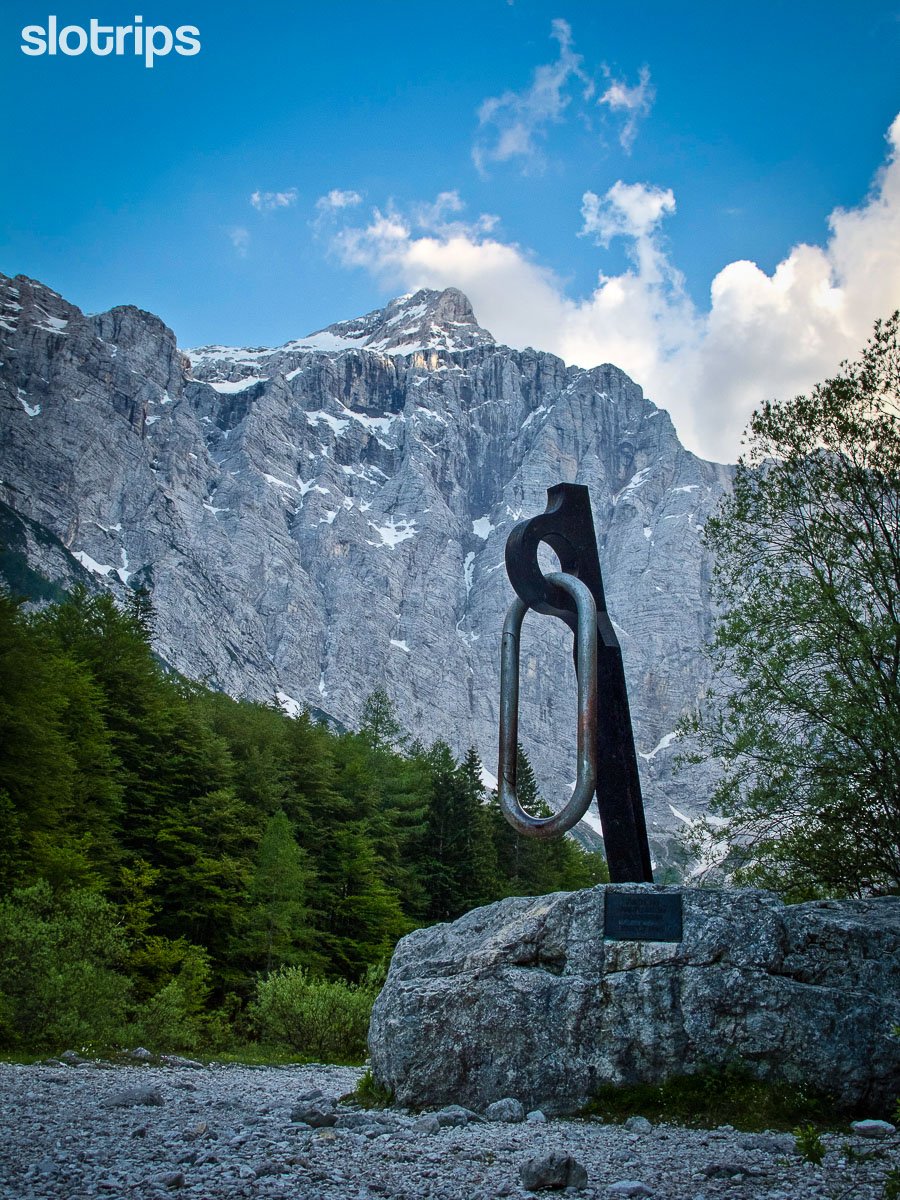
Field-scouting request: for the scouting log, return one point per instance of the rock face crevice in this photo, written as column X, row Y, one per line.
column 329, row 516
column 807, row 993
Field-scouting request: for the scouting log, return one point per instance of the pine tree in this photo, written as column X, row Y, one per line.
column 276, row 926
column 379, row 725
column 480, row 882
column 58, row 766
column 532, row 867
column 459, row 859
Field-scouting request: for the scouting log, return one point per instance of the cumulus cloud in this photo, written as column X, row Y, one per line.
column 269, row 201
column 762, row 336
column 335, row 200
column 512, row 125
column 632, row 102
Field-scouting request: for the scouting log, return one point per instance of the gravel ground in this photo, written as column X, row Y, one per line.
column 152, row 1131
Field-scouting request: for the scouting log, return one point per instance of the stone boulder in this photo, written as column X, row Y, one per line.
column 528, row 998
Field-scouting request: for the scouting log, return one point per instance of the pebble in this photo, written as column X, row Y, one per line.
column 233, row 1138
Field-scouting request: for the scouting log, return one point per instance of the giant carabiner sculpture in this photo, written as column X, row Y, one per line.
column 607, row 762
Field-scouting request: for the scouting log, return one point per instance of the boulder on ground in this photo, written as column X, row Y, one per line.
column 528, row 998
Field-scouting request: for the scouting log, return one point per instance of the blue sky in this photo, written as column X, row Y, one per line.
column 585, row 171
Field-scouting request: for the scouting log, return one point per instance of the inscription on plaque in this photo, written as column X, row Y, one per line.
column 635, row 917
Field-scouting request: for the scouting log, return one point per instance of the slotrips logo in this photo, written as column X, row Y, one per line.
column 148, row 42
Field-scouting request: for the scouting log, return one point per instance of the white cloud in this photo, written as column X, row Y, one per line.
column 634, row 102
column 634, row 211
column 514, row 124
column 336, row 199
column 510, row 125
column 240, row 239
column 269, row 201
column 762, row 336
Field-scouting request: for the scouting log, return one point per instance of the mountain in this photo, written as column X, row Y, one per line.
column 329, row 516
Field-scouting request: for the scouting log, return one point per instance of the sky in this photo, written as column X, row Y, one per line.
column 706, row 195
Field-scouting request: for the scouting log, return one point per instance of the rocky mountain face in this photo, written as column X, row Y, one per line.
column 327, row 517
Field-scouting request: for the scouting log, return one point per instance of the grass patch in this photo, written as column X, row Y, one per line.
column 257, row 1054
column 371, row 1094
column 729, row 1095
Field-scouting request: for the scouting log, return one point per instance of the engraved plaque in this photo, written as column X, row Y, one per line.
column 643, row 917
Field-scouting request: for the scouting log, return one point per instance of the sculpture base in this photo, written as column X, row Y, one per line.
column 532, row 998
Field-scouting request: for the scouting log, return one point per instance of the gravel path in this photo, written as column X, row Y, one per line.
column 147, row 1132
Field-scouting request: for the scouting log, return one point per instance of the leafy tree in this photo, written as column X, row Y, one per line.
column 807, row 577
column 136, row 700
column 205, row 856
column 257, row 737
column 139, row 604
column 166, row 972
column 521, row 860
column 61, row 981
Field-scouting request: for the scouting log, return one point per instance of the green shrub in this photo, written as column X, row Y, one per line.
column 174, row 1018
column 60, row 983
column 318, row 1018
column 809, row 1144
column 369, row 1093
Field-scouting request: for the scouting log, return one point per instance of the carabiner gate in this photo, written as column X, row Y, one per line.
column 586, row 670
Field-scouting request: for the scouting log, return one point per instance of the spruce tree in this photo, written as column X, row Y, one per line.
column 276, row 926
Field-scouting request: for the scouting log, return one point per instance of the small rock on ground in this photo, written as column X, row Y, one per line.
column 552, row 1171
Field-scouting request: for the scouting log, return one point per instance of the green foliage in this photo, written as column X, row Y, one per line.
column 808, row 1143
column 807, row 579
column 61, row 977
column 730, row 1095
column 529, row 867
column 892, row 1184
column 217, row 841
column 277, row 926
column 379, row 726
column 458, row 855
column 168, row 1020
column 57, row 765
column 369, row 1093
column 318, row 1018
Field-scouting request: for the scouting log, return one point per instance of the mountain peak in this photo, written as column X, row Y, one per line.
column 422, row 320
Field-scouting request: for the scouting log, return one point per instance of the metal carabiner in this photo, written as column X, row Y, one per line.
column 586, row 670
